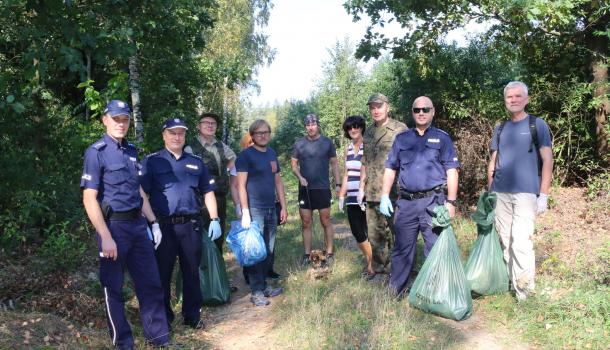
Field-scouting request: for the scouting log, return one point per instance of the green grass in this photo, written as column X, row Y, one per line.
column 570, row 310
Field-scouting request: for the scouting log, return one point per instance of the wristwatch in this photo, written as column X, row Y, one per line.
column 451, row 201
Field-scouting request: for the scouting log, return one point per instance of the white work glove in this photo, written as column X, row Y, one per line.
column 214, row 230
column 385, row 206
column 238, row 210
column 245, row 218
column 360, row 197
column 542, row 203
column 157, row 235
column 341, row 203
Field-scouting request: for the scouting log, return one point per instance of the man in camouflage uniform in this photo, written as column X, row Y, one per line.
column 378, row 139
column 218, row 158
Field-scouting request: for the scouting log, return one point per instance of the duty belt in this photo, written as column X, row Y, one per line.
column 178, row 219
column 423, row 194
column 132, row 214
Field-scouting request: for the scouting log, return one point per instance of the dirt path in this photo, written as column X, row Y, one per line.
column 239, row 325
column 473, row 330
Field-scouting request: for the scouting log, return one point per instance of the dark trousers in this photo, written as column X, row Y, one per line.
column 257, row 273
column 221, row 205
column 411, row 217
column 182, row 241
column 136, row 253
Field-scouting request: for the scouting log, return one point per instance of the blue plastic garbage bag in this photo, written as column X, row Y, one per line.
column 248, row 245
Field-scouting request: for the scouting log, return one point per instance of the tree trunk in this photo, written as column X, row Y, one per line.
column 598, row 46
column 134, row 86
column 225, row 113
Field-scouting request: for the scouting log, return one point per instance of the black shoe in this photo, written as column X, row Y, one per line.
column 330, row 259
column 274, row 275
column 305, row 261
column 195, row 324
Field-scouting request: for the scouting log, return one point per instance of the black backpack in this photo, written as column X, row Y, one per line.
column 533, row 144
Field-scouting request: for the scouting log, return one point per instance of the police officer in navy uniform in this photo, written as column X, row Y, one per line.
column 176, row 182
column 427, row 162
column 115, row 202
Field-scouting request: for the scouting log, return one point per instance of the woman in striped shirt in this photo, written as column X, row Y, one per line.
column 353, row 128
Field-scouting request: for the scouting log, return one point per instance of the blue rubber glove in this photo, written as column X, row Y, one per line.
column 385, row 207
column 214, row 230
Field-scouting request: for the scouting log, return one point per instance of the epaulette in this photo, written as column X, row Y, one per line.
column 99, row 145
column 443, row 131
column 403, row 131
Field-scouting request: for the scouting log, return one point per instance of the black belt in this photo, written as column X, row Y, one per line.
column 178, row 219
column 423, row 194
column 132, row 214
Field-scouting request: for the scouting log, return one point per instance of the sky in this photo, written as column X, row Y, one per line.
column 301, row 32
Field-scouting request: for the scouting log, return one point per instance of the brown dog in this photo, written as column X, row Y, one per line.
column 319, row 269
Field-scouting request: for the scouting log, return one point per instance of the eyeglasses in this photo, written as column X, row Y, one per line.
column 261, row 133
column 208, row 123
column 423, row 109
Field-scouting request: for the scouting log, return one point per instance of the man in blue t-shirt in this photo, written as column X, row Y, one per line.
column 310, row 159
column 258, row 181
column 522, row 185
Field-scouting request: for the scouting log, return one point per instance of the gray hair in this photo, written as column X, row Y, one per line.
column 257, row 124
column 515, row 84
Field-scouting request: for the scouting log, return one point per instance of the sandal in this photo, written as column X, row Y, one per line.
column 368, row 275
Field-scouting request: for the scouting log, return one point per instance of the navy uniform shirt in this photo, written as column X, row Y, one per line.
column 175, row 186
column 112, row 169
column 423, row 160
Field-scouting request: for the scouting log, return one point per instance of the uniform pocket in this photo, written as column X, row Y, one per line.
column 116, row 174
column 432, row 151
column 164, row 177
column 192, row 176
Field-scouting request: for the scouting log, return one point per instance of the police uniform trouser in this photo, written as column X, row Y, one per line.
column 381, row 235
column 221, row 207
column 412, row 217
column 136, row 253
column 183, row 241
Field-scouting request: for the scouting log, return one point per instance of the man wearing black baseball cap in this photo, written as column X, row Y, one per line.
column 310, row 158
column 176, row 182
column 114, row 203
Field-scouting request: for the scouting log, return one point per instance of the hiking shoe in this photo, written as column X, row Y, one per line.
column 305, row 261
column 195, row 324
column 259, row 299
column 274, row 275
column 271, row 292
column 330, row 259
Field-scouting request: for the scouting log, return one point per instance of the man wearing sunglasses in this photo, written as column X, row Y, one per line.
column 428, row 177
column 377, row 140
column 520, row 172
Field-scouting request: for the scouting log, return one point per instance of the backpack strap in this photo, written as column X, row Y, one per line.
column 498, row 150
column 534, row 144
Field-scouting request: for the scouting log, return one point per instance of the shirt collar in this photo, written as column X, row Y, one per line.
column 204, row 142
column 112, row 141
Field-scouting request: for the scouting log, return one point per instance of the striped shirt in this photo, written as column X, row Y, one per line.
column 353, row 163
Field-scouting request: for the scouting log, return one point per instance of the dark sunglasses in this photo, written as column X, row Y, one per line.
column 424, row 109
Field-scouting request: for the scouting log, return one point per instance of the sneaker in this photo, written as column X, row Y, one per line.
column 271, row 292
column 330, row 259
column 259, row 299
column 274, row 275
column 305, row 261
column 195, row 324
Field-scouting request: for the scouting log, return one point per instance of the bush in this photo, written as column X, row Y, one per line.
column 64, row 248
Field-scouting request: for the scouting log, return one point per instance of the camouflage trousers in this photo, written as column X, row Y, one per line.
column 381, row 235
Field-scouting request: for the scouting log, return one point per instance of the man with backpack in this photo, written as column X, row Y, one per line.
column 520, row 171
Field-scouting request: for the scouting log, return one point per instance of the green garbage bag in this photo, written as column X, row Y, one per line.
column 440, row 287
column 214, row 282
column 485, row 269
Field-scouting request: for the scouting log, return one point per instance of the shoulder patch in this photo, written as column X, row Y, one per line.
column 99, row 145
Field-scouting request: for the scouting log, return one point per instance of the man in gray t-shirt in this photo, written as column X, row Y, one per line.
column 521, row 187
column 311, row 156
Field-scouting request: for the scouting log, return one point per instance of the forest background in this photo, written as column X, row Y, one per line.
column 60, row 61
